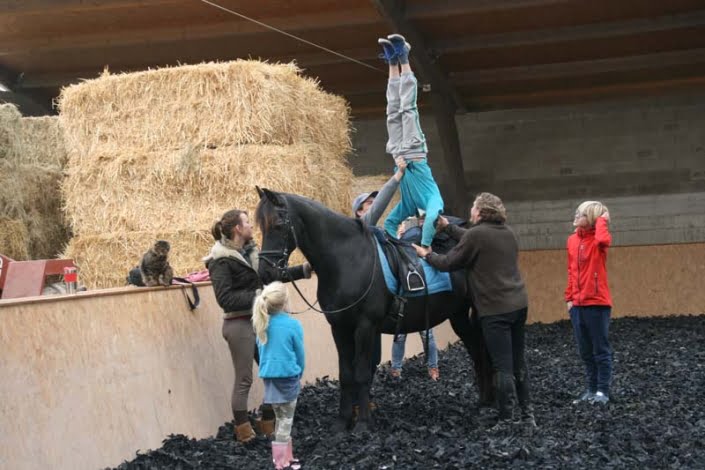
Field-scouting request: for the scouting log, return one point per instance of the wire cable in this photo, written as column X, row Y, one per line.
column 272, row 28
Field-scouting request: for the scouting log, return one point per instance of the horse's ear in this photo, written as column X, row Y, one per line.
column 273, row 197
column 259, row 191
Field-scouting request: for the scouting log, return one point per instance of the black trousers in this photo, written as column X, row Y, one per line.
column 505, row 340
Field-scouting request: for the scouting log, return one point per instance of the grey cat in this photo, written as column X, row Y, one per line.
column 154, row 267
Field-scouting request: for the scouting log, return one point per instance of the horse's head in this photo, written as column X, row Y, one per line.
column 278, row 236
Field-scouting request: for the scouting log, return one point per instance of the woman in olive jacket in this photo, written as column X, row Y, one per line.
column 233, row 266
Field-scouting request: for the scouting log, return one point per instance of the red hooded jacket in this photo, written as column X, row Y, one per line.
column 587, row 271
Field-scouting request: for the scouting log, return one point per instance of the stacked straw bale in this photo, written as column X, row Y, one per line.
column 9, row 130
column 14, row 239
column 96, row 254
column 30, row 196
column 163, row 153
column 31, row 153
column 41, row 142
column 214, row 104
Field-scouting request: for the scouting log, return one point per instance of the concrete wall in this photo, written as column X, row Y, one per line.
column 645, row 158
column 635, row 220
column 88, row 379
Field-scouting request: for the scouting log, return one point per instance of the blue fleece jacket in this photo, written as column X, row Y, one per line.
column 283, row 354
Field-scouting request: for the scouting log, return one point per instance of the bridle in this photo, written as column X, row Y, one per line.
column 281, row 264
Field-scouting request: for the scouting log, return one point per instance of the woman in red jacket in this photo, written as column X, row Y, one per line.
column 588, row 297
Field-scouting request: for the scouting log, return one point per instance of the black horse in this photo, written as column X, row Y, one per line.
column 352, row 292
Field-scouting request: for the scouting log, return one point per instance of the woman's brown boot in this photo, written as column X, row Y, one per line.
column 266, row 427
column 244, row 432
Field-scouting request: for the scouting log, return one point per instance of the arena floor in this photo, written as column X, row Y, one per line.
column 656, row 418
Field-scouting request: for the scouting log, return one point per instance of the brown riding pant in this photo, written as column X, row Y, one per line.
column 240, row 336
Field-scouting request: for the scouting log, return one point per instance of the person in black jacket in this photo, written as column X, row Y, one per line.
column 233, row 266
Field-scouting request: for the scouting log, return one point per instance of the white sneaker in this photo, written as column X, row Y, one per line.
column 587, row 396
column 600, row 398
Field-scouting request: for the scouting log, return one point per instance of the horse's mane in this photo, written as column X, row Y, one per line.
column 266, row 211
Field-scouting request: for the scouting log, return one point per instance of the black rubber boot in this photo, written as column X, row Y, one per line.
column 505, row 395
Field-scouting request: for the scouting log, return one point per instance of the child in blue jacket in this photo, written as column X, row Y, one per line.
column 280, row 340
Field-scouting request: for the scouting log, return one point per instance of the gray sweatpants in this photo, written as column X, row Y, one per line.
column 285, row 420
column 403, row 126
column 418, row 188
column 241, row 340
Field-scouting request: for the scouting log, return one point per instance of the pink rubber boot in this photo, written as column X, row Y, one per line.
column 280, row 454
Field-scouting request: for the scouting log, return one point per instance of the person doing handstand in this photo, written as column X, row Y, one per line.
column 406, row 139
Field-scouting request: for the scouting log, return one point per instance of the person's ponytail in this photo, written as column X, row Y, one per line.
column 225, row 226
column 217, row 230
column 273, row 298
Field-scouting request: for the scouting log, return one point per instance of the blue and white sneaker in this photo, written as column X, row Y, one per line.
column 389, row 53
column 587, row 396
column 401, row 47
column 600, row 398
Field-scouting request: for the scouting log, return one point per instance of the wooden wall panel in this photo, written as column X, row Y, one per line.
column 644, row 281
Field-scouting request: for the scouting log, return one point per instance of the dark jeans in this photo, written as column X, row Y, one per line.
column 591, row 327
column 504, row 337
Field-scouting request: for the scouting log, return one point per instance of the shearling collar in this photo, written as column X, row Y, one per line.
column 221, row 251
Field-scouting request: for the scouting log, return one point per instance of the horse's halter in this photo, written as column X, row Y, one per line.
column 281, row 257
column 281, row 264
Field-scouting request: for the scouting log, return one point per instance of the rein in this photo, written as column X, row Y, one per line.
column 282, row 265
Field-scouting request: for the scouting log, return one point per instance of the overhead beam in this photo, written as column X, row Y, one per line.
column 465, row 79
column 580, row 68
column 366, row 109
column 45, row 6
column 574, row 95
column 435, row 8
column 571, row 33
column 291, row 24
column 353, row 18
column 442, row 8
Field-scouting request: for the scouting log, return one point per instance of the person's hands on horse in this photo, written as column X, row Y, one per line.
column 401, row 230
column 441, row 223
column 401, row 168
column 422, row 251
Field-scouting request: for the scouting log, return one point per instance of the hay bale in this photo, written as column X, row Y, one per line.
column 9, row 130
column 104, row 261
column 14, row 239
column 188, row 190
column 210, row 104
column 41, row 142
column 31, row 194
column 369, row 183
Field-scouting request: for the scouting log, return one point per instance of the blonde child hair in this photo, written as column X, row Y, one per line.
column 273, row 298
column 591, row 210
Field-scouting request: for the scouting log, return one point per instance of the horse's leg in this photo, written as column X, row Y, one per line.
column 365, row 334
column 345, row 344
column 470, row 333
